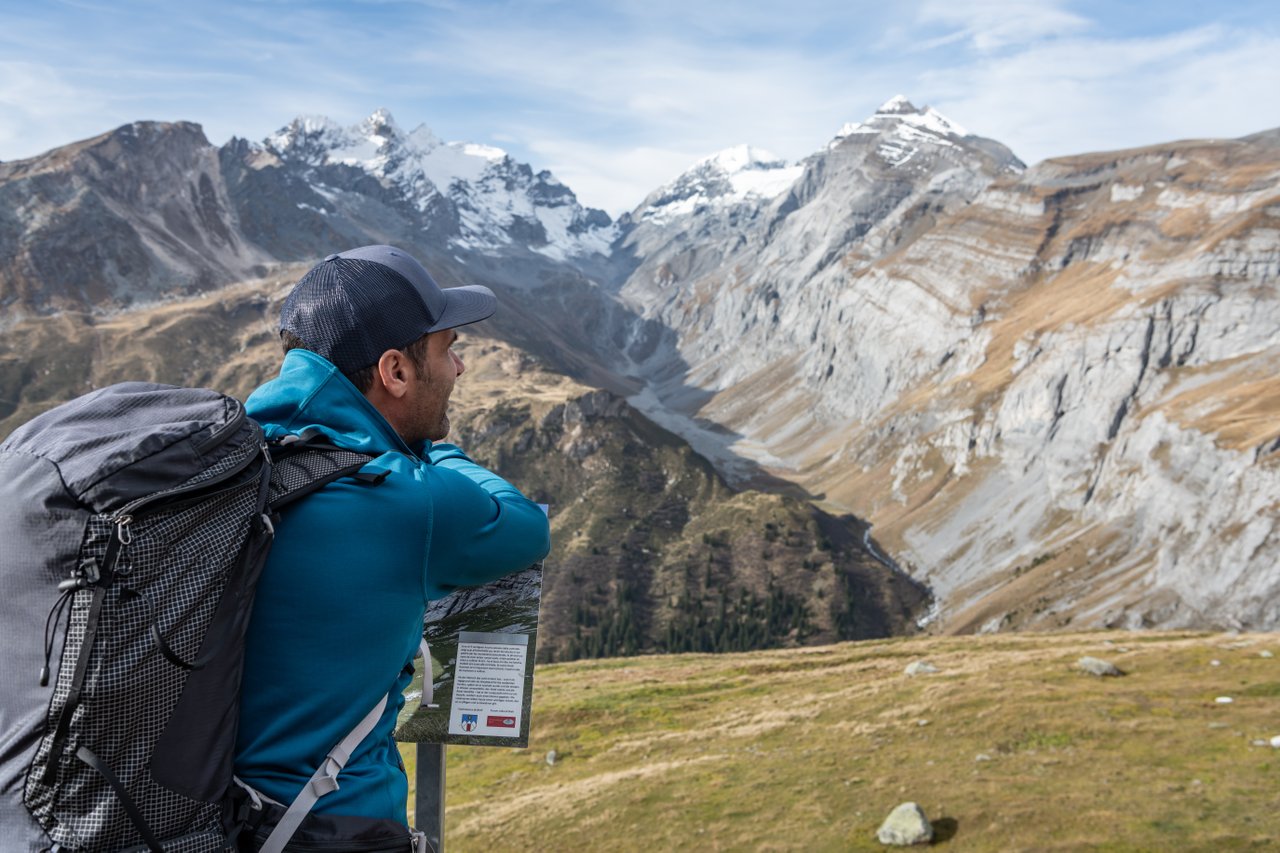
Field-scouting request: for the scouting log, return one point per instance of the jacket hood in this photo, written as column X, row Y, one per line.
column 311, row 393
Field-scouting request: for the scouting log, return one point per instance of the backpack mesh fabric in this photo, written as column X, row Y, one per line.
column 136, row 547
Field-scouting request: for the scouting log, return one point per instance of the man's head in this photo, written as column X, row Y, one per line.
column 382, row 320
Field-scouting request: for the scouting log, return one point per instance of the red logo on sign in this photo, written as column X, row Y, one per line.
column 501, row 722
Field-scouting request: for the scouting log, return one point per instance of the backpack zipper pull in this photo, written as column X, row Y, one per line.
column 121, row 538
column 122, row 529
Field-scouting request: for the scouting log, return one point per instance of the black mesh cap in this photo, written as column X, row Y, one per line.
column 354, row 306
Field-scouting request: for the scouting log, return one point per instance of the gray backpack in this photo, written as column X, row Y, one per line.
column 136, row 521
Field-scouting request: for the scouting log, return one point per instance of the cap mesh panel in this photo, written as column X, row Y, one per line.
column 351, row 311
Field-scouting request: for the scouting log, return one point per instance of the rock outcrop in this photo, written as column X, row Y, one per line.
column 132, row 215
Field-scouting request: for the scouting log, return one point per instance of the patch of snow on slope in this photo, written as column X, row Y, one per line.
column 489, row 190
column 727, row 178
column 902, row 119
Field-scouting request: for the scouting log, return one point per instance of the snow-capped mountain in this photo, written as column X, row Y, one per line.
column 905, row 124
column 499, row 202
column 738, row 175
column 900, row 167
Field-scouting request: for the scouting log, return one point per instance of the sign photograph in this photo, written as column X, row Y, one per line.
column 481, row 643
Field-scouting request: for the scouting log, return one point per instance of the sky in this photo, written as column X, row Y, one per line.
column 617, row 97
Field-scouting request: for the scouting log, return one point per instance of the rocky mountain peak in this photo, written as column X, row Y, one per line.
column 422, row 138
column 157, row 145
column 899, row 117
column 897, row 105
column 497, row 202
column 308, row 138
column 380, row 123
column 741, row 158
column 734, row 176
column 134, row 214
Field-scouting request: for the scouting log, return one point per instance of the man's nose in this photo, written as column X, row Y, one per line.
column 457, row 363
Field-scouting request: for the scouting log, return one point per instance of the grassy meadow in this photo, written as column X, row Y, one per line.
column 1007, row 747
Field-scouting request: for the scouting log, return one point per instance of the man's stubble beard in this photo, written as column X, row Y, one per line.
column 443, row 431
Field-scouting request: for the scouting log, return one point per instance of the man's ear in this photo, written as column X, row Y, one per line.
column 395, row 373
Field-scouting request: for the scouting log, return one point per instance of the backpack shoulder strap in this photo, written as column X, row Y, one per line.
column 301, row 467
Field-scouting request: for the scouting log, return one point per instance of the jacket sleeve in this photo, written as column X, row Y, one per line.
column 482, row 526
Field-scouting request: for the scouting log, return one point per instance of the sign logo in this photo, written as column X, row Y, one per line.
column 501, row 722
column 470, row 721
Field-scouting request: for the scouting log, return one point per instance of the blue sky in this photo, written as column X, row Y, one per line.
column 617, row 98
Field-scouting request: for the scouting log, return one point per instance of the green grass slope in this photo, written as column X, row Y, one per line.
column 1007, row 747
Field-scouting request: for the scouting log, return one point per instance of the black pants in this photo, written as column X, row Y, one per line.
column 325, row 833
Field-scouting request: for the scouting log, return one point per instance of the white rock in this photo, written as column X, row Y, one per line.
column 1098, row 666
column 1275, row 742
column 1224, row 700
column 551, row 758
column 906, row 825
column 1266, row 653
column 1215, row 663
column 920, row 667
column 982, row 756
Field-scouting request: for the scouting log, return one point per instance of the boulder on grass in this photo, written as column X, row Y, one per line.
column 1098, row 666
column 906, row 825
column 920, row 667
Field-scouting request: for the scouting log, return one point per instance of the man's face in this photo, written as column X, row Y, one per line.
column 434, row 385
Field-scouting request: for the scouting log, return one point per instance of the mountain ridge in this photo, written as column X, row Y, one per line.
column 1049, row 388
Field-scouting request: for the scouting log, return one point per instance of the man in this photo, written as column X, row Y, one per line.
column 369, row 363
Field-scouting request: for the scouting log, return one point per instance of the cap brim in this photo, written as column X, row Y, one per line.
column 470, row 303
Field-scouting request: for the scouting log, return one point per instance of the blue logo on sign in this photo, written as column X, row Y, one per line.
column 470, row 721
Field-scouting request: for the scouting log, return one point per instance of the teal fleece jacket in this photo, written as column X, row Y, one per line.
column 338, row 614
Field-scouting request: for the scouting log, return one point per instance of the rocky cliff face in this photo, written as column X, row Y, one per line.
column 741, row 281
column 1052, row 391
column 132, row 215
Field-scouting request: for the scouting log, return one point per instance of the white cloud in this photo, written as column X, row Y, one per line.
column 1071, row 96
column 39, row 109
column 993, row 24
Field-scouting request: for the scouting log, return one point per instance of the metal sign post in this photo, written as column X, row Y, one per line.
column 486, row 677
column 428, row 808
